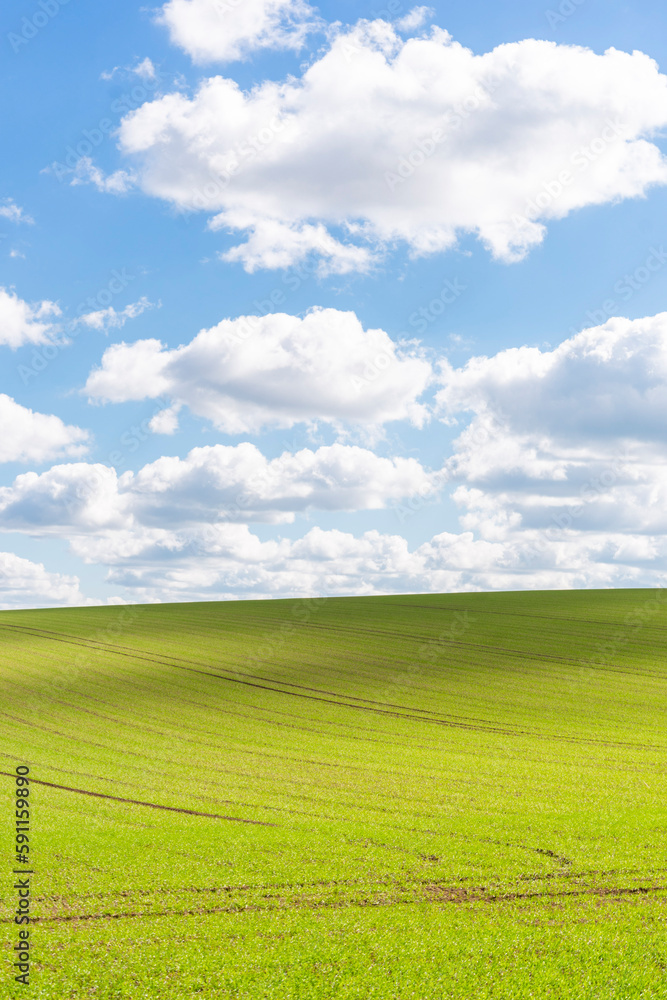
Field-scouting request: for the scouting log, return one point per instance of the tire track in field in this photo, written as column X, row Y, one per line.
column 127, row 651
column 251, row 776
column 246, row 716
column 375, row 630
column 138, row 653
column 350, row 883
column 149, row 805
column 414, row 813
column 434, row 893
column 457, row 643
column 345, row 630
column 121, row 651
column 248, row 805
column 201, row 743
column 445, row 722
column 567, row 620
column 141, row 654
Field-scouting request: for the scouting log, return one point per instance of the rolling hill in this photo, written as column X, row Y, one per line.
column 423, row 796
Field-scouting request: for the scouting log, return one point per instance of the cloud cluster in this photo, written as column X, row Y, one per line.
column 227, row 561
column 559, row 474
column 209, row 486
column 277, row 370
column 226, row 30
column 384, row 139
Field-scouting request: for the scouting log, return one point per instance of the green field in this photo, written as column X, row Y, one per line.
column 442, row 796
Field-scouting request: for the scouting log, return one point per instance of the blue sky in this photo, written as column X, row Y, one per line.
column 551, row 351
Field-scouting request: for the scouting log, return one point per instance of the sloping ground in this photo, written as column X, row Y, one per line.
column 417, row 796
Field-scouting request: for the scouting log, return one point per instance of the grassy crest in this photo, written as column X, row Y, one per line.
column 441, row 796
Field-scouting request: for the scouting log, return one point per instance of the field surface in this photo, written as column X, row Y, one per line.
column 443, row 796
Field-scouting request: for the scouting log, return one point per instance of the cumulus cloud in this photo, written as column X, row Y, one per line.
column 227, row 30
column 25, row 584
column 26, row 436
column 385, row 140
column 274, row 371
column 114, row 319
column 26, row 323
column 229, row 561
column 212, row 484
column 570, row 439
column 558, row 472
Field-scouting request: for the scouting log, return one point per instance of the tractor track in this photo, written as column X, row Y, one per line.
column 360, row 705
column 137, row 802
column 432, row 893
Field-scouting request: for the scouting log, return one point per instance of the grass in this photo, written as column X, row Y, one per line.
column 451, row 796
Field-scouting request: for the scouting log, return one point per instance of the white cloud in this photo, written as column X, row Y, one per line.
column 415, row 18
column 604, row 386
column 559, row 476
column 111, row 318
column 274, row 371
column 226, row 30
column 86, row 172
column 384, row 139
column 211, row 486
column 129, row 371
column 568, row 440
column 166, row 421
column 26, row 436
column 145, row 70
column 25, row 323
column 274, row 244
column 13, row 212
column 25, row 584
column 227, row 560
